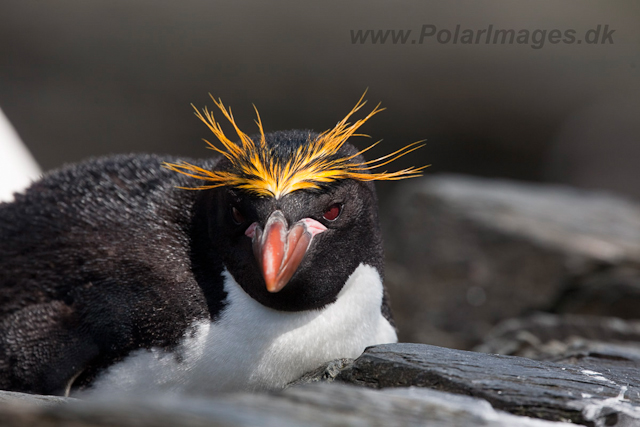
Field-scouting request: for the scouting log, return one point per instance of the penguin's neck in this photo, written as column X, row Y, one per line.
column 251, row 347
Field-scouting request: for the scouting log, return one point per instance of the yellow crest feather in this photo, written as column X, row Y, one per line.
column 256, row 171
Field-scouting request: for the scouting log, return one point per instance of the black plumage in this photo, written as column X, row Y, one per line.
column 107, row 256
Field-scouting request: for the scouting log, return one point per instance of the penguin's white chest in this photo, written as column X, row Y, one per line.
column 253, row 347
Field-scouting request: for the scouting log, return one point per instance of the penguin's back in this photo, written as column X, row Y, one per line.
column 89, row 261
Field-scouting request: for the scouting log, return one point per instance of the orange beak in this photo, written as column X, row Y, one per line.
column 279, row 250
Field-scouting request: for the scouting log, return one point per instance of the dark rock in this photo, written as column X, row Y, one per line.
column 421, row 385
column 465, row 253
column 553, row 391
column 552, row 337
column 615, row 291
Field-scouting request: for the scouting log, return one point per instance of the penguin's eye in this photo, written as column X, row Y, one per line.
column 238, row 218
column 333, row 212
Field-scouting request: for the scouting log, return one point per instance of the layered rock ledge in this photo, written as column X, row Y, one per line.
column 394, row 384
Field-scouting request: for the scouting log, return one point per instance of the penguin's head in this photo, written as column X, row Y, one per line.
column 295, row 211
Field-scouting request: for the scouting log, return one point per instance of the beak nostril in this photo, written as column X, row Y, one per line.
column 312, row 226
column 251, row 230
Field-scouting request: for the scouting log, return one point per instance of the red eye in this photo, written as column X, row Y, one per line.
column 332, row 212
column 238, row 218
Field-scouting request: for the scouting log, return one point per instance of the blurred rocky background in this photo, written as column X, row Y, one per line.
column 464, row 253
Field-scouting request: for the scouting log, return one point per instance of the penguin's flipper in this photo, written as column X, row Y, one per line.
column 42, row 350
